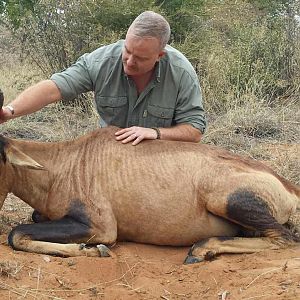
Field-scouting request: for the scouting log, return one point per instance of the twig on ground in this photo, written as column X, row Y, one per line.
column 38, row 280
column 259, row 296
column 215, row 280
column 24, row 292
column 130, row 286
column 262, row 274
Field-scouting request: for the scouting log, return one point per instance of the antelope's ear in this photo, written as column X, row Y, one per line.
column 16, row 157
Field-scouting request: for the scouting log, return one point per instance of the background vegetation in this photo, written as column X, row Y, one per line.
column 246, row 53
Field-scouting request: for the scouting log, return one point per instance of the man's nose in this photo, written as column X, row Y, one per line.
column 130, row 61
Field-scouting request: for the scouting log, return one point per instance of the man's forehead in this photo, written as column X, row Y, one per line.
column 132, row 35
column 135, row 41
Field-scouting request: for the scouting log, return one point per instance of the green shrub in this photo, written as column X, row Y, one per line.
column 240, row 50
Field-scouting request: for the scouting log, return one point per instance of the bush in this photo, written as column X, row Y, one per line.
column 244, row 50
column 240, row 53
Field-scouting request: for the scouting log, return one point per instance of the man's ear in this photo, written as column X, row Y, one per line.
column 161, row 54
column 16, row 157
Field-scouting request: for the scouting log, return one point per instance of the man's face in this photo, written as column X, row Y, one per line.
column 140, row 54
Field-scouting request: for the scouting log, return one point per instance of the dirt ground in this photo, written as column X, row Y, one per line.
column 143, row 271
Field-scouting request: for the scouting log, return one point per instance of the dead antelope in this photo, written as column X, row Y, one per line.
column 95, row 190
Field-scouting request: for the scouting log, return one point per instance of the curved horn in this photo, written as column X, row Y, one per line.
column 1, row 99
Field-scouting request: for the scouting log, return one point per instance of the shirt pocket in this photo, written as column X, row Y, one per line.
column 159, row 116
column 113, row 110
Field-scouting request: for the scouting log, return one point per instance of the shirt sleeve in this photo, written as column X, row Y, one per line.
column 189, row 106
column 75, row 80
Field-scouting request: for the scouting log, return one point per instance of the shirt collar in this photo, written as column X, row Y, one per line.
column 157, row 70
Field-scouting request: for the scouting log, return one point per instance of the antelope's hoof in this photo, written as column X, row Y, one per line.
column 105, row 251
column 191, row 259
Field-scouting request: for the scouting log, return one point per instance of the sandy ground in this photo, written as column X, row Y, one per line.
column 148, row 272
column 144, row 271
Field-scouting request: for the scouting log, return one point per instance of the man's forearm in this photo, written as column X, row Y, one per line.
column 182, row 132
column 35, row 98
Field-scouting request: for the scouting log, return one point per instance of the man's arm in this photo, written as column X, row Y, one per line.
column 182, row 132
column 32, row 99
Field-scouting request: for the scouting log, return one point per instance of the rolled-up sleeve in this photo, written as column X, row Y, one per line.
column 189, row 106
column 75, row 80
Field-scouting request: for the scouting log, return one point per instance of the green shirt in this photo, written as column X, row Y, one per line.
column 172, row 97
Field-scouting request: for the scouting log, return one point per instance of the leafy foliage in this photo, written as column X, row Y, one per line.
column 181, row 14
column 242, row 50
column 240, row 54
column 273, row 7
column 15, row 11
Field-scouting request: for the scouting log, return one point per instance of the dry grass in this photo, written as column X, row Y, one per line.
column 270, row 134
column 15, row 76
column 9, row 268
column 53, row 123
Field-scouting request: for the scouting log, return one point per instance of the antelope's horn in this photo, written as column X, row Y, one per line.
column 1, row 99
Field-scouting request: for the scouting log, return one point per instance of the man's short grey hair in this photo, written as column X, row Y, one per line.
column 151, row 24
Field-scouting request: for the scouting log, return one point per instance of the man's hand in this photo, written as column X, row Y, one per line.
column 135, row 134
column 5, row 114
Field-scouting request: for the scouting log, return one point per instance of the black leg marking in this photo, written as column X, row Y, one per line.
column 73, row 228
column 66, row 230
column 249, row 210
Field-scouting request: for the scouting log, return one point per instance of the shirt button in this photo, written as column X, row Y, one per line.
column 162, row 114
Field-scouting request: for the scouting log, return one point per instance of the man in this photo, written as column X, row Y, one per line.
column 142, row 85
